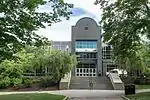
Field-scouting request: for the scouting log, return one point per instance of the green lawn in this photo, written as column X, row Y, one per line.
column 142, row 86
column 140, row 96
column 32, row 96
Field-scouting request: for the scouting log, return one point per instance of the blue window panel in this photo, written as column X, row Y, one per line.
column 92, row 46
column 86, row 44
column 80, row 46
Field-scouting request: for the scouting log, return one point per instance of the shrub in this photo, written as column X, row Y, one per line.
column 5, row 82
column 11, row 69
column 36, row 81
column 47, row 81
column 16, row 83
column 27, row 82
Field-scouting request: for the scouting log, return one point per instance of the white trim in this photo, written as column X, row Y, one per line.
column 85, row 72
column 86, row 50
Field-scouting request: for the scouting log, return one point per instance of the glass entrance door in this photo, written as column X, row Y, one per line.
column 86, row 70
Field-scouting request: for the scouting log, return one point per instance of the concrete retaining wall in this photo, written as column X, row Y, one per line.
column 65, row 82
column 116, row 81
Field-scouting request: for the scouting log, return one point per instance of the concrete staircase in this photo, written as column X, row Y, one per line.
column 99, row 83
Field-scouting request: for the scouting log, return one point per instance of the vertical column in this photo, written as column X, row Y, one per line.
column 73, row 40
column 99, row 52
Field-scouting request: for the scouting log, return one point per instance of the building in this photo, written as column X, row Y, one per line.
column 95, row 58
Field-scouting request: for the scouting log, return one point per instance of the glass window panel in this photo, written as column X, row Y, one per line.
column 76, row 46
column 91, row 46
column 86, row 44
column 80, row 46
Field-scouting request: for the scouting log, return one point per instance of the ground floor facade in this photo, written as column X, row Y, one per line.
column 88, row 61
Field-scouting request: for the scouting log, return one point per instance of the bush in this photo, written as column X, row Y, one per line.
column 47, row 81
column 36, row 81
column 5, row 82
column 11, row 69
column 142, row 80
column 27, row 82
column 16, row 83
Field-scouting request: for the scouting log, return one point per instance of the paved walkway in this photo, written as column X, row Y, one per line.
column 82, row 94
column 85, row 94
column 92, row 94
column 99, row 83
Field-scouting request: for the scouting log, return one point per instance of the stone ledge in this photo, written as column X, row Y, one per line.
column 116, row 81
column 65, row 82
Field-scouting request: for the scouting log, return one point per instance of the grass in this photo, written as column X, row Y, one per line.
column 140, row 96
column 142, row 86
column 32, row 96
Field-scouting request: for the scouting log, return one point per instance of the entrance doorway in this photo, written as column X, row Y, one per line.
column 86, row 70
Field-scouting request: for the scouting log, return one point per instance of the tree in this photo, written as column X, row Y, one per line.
column 19, row 20
column 53, row 63
column 125, row 23
column 61, row 64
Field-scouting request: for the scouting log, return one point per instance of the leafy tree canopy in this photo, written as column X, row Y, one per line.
column 19, row 20
column 125, row 23
column 126, row 27
column 54, row 62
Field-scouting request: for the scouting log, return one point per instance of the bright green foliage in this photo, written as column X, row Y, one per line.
column 126, row 27
column 10, row 74
column 19, row 20
column 16, row 82
column 51, row 62
column 4, row 82
column 61, row 63
column 11, row 69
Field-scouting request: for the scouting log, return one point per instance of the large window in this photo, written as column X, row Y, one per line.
column 86, row 44
column 86, row 55
column 80, row 65
column 107, row 52
column 111, row 67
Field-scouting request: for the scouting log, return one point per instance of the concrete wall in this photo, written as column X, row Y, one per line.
column 65, row 82
column 116, row 81
column 92, row 33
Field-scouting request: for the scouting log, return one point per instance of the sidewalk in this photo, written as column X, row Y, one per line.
column 84, row 94
column 81, row 94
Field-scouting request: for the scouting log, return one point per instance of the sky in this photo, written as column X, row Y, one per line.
column 62, row 31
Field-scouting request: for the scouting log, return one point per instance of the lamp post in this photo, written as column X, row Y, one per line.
column 67, row 48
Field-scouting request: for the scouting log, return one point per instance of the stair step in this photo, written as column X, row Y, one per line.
column 101, row 83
